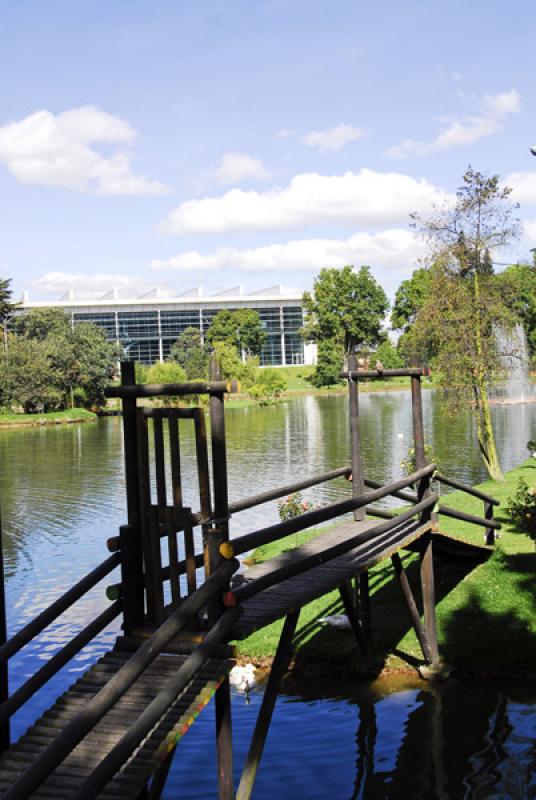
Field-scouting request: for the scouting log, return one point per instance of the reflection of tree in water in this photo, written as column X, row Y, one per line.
column 458, row 742
column 57, row 481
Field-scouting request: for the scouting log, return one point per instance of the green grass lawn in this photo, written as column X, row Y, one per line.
column 486, row 614
column 51, row 418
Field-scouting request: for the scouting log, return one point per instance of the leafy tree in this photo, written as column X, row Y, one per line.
column 409, row 299
column 346, row 308
column 329, row 363
column 79, row 359
column 388, row 355
column 463, row 306
column 6, row 306
column 27, row 377
column 165, row 372
column 518, row 290
column 190, row 353
column 232, row 366
column 269, row 386
column 241, row 329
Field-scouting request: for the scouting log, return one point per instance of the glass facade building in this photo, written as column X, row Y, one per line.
column 147, row 327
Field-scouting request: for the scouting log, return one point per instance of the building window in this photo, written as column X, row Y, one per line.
column 173, row 323
column 104, row 321
column 137, row 324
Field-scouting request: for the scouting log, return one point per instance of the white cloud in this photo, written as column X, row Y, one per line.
column 394, row 250
column 334, row 138
column 523, row 185
column 93, row 285
column 236, row 167
column 363, row 198
column 55, row 150
column 529, row 229
column 459, row 133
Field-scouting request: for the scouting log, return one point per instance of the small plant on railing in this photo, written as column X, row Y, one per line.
column 522, row 509
column 294, row 506
column 409, row 465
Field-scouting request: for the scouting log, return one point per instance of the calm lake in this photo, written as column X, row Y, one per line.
column 62, row 495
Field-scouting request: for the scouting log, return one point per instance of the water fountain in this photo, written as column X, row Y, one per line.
column 514, row 360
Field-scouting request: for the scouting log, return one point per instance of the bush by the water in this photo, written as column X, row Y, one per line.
column 522, row 508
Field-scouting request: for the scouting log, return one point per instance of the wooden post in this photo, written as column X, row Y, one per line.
column 4, row 672
column 279, row 667
column 489, row 533
column 362, row 594
column 216, row 535
column 358, row 484
column 418, row 425
column 133, row 604
column 412, row 606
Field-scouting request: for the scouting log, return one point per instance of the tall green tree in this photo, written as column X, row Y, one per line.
column 346, row 308
column 241, row 329
column 463, row 306
column 191, row 354
column 409, row 299
column 6, row 307
column 79, row 359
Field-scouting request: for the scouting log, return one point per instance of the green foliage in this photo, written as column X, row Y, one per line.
column 388, row 355
column 522, row 508
column 232, row 366
column 166, row 372
column 241, row 329
column 28, row 378
column 329, row 363
column 347, row 306
column 409, row 299
column 48, row 363
column 191, row 354
column 269, row 386
column 531, row 445
column 464, row 305
column 518, row 290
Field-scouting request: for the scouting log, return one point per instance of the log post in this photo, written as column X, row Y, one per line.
column 4, row 686
column 418, row 425
column 216, row 535
column 489, row 533
column 358, row 484
column 130, row 537
column 279, row 667
column 362, row 593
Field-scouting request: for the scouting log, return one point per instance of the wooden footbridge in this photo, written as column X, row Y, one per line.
column 113, row 733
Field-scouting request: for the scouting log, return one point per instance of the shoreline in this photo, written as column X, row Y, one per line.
column 69, row 417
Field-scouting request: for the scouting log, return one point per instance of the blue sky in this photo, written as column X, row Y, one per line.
column 237, row 143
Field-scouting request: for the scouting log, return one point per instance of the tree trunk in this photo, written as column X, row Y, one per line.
column 484, row 426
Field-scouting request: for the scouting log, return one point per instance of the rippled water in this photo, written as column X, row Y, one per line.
column 62, row 496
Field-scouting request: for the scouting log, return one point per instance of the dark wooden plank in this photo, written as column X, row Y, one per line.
column 128, row 783
column 276, row 601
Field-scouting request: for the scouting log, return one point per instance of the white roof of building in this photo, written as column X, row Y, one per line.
column 161, row 297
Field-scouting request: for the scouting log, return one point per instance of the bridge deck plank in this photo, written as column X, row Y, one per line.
column 84, row 758
column 293, row 593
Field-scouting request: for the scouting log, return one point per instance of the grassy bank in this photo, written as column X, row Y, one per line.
column 51, row 418
column 485, row 615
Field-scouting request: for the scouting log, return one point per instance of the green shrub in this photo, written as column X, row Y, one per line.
column 522, row 508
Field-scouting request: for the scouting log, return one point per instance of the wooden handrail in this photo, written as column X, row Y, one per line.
column 274, row 532
column 360, row 374
column 167, row 389
column 466, row 488
column 248, row 589
column 36, row 625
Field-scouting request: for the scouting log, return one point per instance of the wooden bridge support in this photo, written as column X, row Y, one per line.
column 279, row 667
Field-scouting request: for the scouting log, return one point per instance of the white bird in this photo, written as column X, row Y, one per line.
column 243, row 677
column 340, row 621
